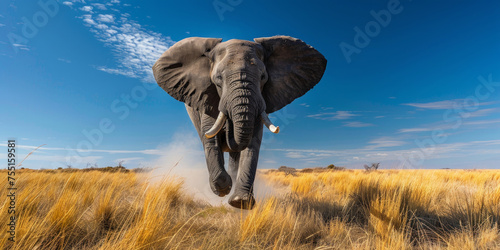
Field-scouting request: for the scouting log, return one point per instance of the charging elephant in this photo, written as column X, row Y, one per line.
column 228, row 89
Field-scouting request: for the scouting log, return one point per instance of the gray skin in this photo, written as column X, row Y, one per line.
column 240, row 79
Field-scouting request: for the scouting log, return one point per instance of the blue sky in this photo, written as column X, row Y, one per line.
column 410, row 84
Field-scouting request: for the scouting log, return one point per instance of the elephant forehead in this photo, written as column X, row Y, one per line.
column 239, row 42
column 236, row 47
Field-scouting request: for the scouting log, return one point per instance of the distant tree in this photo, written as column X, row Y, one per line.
column 373, row 167
column 287, row 170
column 333, row 167
column 120, row 163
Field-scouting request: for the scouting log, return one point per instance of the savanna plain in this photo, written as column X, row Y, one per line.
column 327, row 209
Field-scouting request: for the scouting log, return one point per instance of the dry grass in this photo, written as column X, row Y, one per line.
column 437, row 209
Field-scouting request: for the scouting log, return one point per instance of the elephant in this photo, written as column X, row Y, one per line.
column 229, row 88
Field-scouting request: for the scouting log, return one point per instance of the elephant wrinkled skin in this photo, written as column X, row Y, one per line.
column 228, row 89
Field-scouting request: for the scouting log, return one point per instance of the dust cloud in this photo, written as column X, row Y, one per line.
column 184, row 158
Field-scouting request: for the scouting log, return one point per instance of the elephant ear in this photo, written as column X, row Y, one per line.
column 293, row 68
column 183, row 71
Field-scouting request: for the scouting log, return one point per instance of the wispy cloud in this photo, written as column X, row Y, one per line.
column 449, row 126
column 63, row 60
column 100, row 6
column 356, row 124
column 110, row 151
column 484, row 112
column 107, row 18
column 446, row 104
column 414, row 130
column 86, row 8
column 21, row 46
column 330, row 116
column 357, row 156
column 307, row 156
column 135, row 47
column 295, row 155
column 129, row 160
column 482, row 122
column 385, row 142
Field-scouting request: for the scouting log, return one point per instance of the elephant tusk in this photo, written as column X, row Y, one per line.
column 219, row 123
column 269, row 124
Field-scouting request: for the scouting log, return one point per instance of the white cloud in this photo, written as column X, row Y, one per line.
column 86, row 8
column 135, row 47
column 88, row 19
column 106, row 18
column 448, row 104
column 357, row 124
column 482, row 122
column 380, row 116
column 100, row 6
column 295, row 155
column 67, row 3
column 111, row 31
column 110, row 151
column 128, row 160
column 484, row 112
column 21, row 46
column 385, row 142
column 63, row 60
column 1, row 24
column 452, row 126
column 308, row 157
column 397, row 158
column 330, row 116
column 413, row 130
column 117, row 71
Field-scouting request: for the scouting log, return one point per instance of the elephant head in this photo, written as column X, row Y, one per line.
column 239, row 81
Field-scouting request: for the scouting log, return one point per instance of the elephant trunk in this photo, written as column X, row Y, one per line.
column 244, row 107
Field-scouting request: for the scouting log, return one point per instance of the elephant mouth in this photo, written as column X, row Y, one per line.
column 221, row 120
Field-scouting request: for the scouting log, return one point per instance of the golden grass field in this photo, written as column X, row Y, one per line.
column 351, row 209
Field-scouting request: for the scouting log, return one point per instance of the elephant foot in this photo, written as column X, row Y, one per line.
column 221, row 185
column 245, row 201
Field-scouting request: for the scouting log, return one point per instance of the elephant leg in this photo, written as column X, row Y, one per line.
column 219, row 179
column 234, row 161
column 249, row 157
